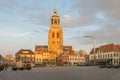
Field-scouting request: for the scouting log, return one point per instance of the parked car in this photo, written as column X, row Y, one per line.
column 116, row 65
column 19, row 65
column 14, row 68
column 1, row 67
column 109, row 66
column 102, row 66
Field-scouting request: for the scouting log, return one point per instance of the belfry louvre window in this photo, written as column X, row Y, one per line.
column 52, row 21
column 55, row 21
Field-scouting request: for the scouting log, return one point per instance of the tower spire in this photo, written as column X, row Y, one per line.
column 55, row 38
column 55, row 12
column 55, row 20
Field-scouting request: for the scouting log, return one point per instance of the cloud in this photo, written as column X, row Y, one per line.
column 72, row 21
column 40, row 31
column 109, row 33
column 37, row 15
column 7, row 3
column 42, row 19
column 14, row 34
column 8, row 6
column 88, row 8
column 85, row 10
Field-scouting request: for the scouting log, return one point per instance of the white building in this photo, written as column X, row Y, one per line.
column 110, row 54
column 77, row 59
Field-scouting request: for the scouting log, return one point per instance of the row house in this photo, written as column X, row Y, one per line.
column 38, row 54
column 45, row 57
column 108, row 54
column 10, row 59
column 49, row 58
column 3, row 62
column 64, row 59
column 73, row 58
column 77, row 59
column 26, row 56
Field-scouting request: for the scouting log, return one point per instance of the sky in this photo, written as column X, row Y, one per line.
column 25, row 23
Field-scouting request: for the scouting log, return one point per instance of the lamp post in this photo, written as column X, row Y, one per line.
column 94, row 46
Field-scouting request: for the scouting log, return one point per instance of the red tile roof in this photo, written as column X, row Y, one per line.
column 41, row 47
column 21, row 51
column 108, row 48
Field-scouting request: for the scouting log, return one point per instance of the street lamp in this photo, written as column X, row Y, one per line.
column 94, row 46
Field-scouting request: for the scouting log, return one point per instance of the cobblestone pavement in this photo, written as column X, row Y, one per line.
column 62, row 73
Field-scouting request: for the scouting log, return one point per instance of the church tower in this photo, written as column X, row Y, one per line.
column 55, row 35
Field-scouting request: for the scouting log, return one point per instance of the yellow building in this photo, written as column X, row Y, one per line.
column 48, row 54
column 38, row 58
column 26, row 56
column 49, row 58
column 39, row 54
column 10, row 59
column 55, row 35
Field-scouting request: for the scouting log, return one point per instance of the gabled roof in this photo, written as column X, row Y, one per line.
column 41, row 47
column 67, row 48
column 25, row 51
column 107, row 48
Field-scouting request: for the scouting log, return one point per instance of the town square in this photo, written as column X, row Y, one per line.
column 59, row 40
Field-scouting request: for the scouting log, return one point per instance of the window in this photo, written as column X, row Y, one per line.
column 39, row 59
column 57, row 42
column 55, row 21
column 58, row 21
column 52, row 21
column 53, row 42
column 53, row 35
column 117, row 55
column 32, row 59
column 108, row 55
column 36, row 59
column 27, row 55
column 57, row 35
column 114, row 54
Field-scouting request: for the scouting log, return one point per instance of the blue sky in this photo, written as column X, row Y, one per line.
column 25, row 23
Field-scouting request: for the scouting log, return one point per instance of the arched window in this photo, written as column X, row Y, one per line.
column 57, row 42
column 57, row 34
column 53, row 35
column 58, row 21
column 55, row 21
column 51, row 21
column 53, row 42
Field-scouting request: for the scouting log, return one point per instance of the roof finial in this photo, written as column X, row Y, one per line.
column 55, row 12
column 55, row 9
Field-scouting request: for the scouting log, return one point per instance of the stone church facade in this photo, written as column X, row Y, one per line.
column 55, row 35
column 55, row 43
